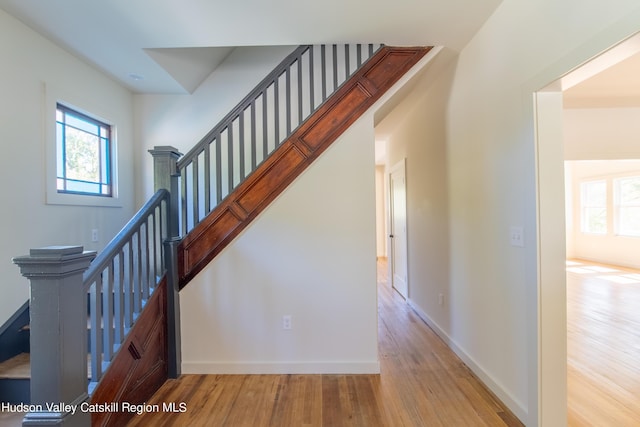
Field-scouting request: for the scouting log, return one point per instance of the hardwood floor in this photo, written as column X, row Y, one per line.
column 16, row 367
column 603, row 345
column 422, row 383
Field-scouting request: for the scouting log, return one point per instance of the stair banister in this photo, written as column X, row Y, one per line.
column 242, row 105
column 69, row 286
column 128, row 269
column 260, row 123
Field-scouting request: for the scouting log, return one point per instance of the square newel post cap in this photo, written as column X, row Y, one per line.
column 54, row 261
column 165, row 150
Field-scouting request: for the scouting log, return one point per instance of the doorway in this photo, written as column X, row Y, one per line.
column 398, row 229
column 549, row 112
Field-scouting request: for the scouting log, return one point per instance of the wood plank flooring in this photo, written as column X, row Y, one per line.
column 603, row 345
column 422, row 383
column 16, row 367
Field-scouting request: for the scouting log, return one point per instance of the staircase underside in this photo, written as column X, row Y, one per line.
column 292, row 157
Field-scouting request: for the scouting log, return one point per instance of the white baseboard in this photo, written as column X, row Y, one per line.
column 281, row 367
column 513, row 404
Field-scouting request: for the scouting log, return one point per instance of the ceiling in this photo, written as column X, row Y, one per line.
column 166, row 46
column 611, row 79
column 616, row 86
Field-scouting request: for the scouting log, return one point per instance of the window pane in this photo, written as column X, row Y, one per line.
column 83, row 149
column 629, row 191
column 595, row 220
column 82, row 124
column 628, row 204
column 595, row 193
column 82, row 156
column 630, row 221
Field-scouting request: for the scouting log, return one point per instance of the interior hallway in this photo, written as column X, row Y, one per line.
column 603, row 345
column 422, row 383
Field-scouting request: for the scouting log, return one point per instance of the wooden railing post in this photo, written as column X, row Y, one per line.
column 58, row 334
column 174, row 344
column 174, row 207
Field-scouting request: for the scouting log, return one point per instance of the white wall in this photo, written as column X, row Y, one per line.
column 311, row 254
column 31, row 67
column 182, row 120
column 601, row 133
column 416, row 131
column 492, row 180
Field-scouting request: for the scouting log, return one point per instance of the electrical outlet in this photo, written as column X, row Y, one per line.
column 286, row 322
column 94, row 235
column 441, row 299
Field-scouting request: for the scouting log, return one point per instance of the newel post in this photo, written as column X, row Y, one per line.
column 166, row 175
column 58, row 310
column 165, row 159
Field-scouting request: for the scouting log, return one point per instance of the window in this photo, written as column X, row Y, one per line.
column 628, row 206
column 593, row 203
column 84, row 154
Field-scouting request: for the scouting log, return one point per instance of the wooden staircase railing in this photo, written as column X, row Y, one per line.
column 259, row 124
column 210, row 230
column 121, row 280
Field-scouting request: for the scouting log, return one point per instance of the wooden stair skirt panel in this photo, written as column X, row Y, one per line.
column 293, row 156
column 140, row 367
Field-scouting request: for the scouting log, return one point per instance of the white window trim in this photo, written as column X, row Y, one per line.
column 90, row 108
column 618, row 206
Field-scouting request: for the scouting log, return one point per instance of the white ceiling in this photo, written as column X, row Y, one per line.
column 609, row 80
column 616, row 86
column 146, row 38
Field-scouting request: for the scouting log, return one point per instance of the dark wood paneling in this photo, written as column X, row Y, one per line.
column 253, row 195
column 314, row 136
column 140, row 367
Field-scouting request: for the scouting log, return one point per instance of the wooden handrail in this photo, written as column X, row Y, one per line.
column 114, row 247
column 293, row 156
column 260, row 123
column 242, row 105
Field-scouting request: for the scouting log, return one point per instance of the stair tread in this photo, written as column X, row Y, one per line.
column 18, row 367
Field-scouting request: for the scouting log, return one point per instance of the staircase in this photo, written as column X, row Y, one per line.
column 15, row 370
column 204, row 200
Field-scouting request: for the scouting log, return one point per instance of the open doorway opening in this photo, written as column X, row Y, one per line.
column 588, row 119
column 602, row 191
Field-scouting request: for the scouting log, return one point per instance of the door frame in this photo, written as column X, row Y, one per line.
column 401, row 166
column 548, row 328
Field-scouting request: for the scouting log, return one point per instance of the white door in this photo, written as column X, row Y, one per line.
column 398, row 229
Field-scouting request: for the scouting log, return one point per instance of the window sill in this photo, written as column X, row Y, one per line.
column 55, row 198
